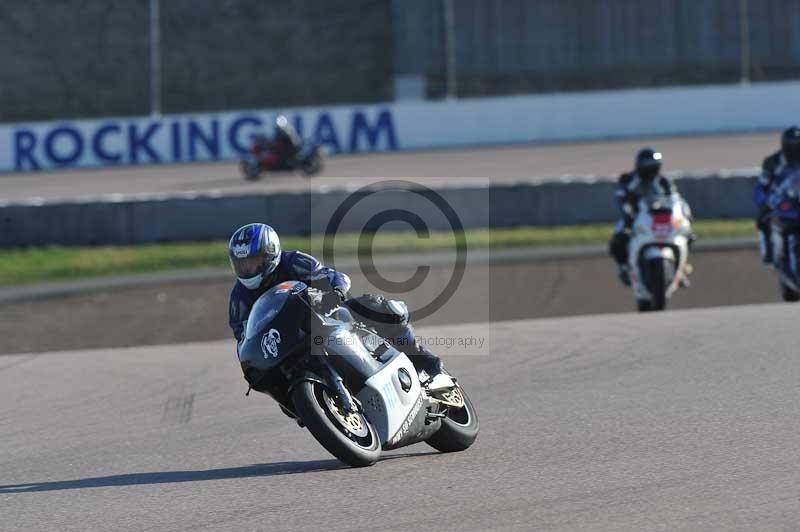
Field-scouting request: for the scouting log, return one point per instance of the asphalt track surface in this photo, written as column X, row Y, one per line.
column 683, row 420
column 475, row 166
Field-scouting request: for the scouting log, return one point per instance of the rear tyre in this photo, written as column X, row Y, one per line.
column 789, row 295
column 350, row 438
column 459, row 429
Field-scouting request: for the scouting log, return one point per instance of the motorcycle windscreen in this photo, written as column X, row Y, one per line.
column 275, row 327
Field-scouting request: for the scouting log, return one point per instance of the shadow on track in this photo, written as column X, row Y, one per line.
column 169, row 477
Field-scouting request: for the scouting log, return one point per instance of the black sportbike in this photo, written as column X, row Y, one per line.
column 355, row 393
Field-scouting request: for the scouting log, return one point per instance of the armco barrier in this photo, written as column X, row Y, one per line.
column 203, row 217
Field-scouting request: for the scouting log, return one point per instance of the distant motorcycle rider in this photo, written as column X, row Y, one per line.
column 259, row 264
column 773, row 170
column 644, row 180
column 277, row 154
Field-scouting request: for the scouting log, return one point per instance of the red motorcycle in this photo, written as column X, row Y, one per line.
column 269, row 157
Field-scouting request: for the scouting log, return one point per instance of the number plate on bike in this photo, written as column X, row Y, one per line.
column 662, row 225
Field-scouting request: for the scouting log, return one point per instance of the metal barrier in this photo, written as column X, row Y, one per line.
column 197, row 217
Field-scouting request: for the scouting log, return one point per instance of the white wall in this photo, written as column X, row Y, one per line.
column 602, row 114
column 406, row 125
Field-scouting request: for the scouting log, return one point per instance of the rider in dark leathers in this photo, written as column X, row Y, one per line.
column 260, row 264
column 632, row 186
column 772, row 173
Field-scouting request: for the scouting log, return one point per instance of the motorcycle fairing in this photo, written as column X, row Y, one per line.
column 651, row 241
column 277, row 326
column 399, row 415
column 786, row 226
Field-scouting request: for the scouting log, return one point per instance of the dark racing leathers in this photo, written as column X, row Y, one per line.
column 772, row 173
column 630, row 189
column 374, row 310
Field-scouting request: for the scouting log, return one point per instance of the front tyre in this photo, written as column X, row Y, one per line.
column 351, row 438
column 789, row 294
column 250, row 170
column 660, row 273
column 311, row 165
column 459, row 429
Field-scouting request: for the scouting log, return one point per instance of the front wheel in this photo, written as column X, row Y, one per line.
column 311, row 165
column 250, row 170
column 789, row 294
column 350, row 437
column 660, row 273
column 459, row 429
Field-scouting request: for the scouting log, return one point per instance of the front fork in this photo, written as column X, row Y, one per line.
column 335, row 382
column 783, row 245
column 791, row 248
column 784, row 250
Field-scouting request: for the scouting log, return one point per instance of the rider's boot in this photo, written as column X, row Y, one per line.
column 687, row 271
column 623, row 272
column 765, row 246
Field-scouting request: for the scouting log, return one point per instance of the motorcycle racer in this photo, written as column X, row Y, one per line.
column 259, row 264
column 773, row 170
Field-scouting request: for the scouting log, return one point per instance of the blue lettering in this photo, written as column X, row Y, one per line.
column 97, row 143
column 233, row 132
column 210, row 141
column 325, row 133
column 137, row 141
column 72, row 154
column 177, row 150
column 24, row 143
column 360, row 127
column 298, row 125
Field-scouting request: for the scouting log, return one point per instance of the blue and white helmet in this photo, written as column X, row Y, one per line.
column 255, row 251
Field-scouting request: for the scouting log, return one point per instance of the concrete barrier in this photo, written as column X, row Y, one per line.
column 145, row 219
column 405, row 125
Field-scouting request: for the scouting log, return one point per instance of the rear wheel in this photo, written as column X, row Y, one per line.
column 348, row 436
column 459, row 429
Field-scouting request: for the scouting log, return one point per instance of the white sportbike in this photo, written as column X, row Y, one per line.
column 658, row 253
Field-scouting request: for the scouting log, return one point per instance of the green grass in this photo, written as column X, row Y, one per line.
column 59, row 263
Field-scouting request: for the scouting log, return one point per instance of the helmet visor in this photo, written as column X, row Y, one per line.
column 791, row 150
column 248, row 267
column 649, row 172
